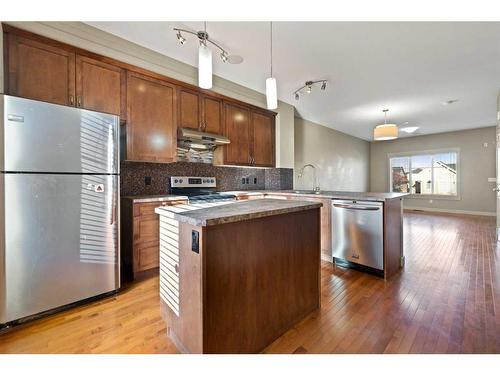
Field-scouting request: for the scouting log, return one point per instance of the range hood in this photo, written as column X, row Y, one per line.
column 190, row 138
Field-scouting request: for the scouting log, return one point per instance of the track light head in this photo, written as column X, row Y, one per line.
column 323, row 86
column 297, row 96
column 223, row 56
column 180, row 38
column 309, row 89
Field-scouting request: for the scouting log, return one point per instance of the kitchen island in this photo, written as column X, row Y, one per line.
column 234, row 277
column 392, row 228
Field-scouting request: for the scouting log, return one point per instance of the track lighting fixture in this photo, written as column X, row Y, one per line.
column 205, row 55
column 308, row 86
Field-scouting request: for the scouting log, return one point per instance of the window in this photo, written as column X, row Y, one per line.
column 430, row 173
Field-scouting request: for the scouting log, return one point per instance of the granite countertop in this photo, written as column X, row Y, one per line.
column 223, row 213
column 349, row 195
column 154, row 198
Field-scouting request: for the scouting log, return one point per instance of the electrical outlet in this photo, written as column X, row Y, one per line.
column 243, row 180
column 147, row 180
column 255, row 180
column 247, row 180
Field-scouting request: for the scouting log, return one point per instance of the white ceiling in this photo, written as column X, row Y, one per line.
column 409, row 68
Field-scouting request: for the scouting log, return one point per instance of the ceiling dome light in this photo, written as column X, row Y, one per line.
column 385, row 131
column 409, row 129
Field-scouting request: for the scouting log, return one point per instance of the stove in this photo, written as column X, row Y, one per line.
column 199, row 189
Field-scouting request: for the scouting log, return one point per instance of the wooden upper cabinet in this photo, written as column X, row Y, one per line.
column 151, row 119
column 199, row 111
column 237, row 121
column 263, row 154
column 212, row 114
column 100, row 86
column 189, row 109
column 40, row 71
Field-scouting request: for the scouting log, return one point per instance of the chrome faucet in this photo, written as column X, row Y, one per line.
column 315, row 185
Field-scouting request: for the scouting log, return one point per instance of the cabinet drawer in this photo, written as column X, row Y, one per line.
column 146, row 230
column 148, row 256
column 145, row 209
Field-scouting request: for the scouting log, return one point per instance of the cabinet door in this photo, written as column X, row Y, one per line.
column 189, row 109
column 263, row 139
column 212, row 115
column 151, row 130
column 99, row 86
column 237, row 120
column 40, row 71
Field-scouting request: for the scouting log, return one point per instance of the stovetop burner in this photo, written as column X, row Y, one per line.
column 215, row 197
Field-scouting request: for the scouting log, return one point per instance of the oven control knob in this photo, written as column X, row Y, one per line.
column 180, row 180
column 176, row 180
column 212, row 180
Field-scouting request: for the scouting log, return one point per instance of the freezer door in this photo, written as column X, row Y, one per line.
column 43, row 137
column 59, row 243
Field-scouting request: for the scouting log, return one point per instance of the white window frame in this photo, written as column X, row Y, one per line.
column 427, row 152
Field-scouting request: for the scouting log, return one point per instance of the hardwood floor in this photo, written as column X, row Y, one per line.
column 446, row 300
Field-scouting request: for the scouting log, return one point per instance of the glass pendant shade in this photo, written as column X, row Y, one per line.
column 271, row 93
column 204, row 67
column 385, row 132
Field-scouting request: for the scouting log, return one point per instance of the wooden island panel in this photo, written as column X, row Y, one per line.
column 250, row 282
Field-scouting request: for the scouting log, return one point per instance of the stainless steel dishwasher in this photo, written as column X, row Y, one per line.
column 357, row 233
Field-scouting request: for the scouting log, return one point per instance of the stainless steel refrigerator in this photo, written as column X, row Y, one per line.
column 58, row 206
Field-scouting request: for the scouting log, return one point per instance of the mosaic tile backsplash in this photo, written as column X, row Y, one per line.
column 133, row 176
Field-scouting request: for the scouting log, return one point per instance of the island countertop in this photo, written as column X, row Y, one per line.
column 215, row 214
column 348, row 195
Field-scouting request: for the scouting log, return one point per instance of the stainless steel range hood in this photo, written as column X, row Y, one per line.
column 195, row 139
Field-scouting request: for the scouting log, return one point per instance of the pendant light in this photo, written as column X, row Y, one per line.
column 385, row 131
column 204, row 63
column 271, row 90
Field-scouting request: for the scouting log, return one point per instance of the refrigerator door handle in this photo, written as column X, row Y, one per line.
column 113, row 209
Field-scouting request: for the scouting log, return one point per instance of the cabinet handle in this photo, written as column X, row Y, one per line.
column 79, row 101
column 71, row 100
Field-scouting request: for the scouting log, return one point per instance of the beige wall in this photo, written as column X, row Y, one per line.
column 342, row 161
column 476, row 165
column 95, row 40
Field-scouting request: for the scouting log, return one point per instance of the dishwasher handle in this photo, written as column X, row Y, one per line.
column 356, row 207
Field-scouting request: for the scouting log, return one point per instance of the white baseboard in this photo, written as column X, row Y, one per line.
column 448, row 211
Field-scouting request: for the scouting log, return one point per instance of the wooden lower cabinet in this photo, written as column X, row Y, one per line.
column 140, row 251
